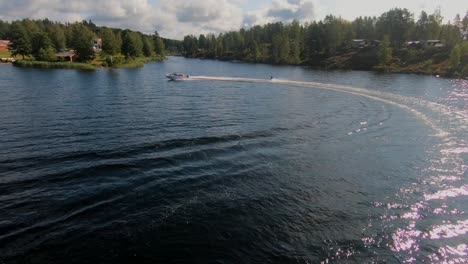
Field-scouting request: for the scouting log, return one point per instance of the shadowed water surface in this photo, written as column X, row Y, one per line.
column 119, row 166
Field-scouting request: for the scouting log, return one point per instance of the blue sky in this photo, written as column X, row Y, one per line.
column 176, row 18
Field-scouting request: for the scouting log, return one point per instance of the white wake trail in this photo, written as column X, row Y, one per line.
column 445, row 178
column 406, row 103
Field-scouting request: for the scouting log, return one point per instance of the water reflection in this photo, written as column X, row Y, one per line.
column 439, row 213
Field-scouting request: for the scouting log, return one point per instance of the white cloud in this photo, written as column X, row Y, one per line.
column 200, row 16
column 176, row 18
column 282, row 10
column 133, row 14
column 173, row 18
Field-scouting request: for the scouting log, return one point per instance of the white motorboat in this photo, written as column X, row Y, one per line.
column 177, row 76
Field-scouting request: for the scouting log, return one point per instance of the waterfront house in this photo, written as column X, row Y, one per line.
column 362, row 43
column 358, row 43
column 4, row 44
column 414, row 44
column 374, row 43
column 66, row 54
column 97, row 44
column 433, row 43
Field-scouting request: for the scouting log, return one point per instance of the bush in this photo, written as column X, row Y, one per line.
column 413, row 56
column 131, row 63
column 464, row 72
column 365, row 59
column 439, row 57
column 115, row 60
column 464, row 53
column 455, row 57
column 47, row 54
column 428, row 63
column 431, row 51
column 53, row 65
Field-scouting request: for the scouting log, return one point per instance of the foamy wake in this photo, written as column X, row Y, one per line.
column 429, row 200
column 407, row 103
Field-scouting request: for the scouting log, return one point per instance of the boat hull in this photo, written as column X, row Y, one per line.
column 177, row 77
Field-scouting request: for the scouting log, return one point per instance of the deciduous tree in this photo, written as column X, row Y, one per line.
column 81, row 42
column 20, row 43
column 132, row 45
column 42, row 47
column 385, row 52
column 455, row 57
column 159, row 46
column 110, row 43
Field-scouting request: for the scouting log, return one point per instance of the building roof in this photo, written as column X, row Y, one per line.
column 4, row 44
column 68, row 53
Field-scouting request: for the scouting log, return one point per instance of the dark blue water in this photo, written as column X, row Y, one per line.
column 122, row 166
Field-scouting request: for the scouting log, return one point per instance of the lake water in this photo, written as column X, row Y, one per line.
column 120, row 166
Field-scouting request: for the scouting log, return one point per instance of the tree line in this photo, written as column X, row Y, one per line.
column 313, row 43
column 42, row 39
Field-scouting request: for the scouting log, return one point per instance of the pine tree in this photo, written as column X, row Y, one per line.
column 148, row 49
column 20, row 43
column 253, row 52
column 159, row 46
column 422, row 31
column 397, row 24
column 57, row 36
column 465, row 22
column 42, row 47
column 81, row 42
column 455, row 57
column 110, row 44
column 385, row 52
column 132, row 45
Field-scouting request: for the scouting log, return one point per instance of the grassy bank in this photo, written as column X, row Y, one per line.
column 120, row 61
column 5, row 54
column 98, row 62
column 131, row 63
column 54, row 65
column 138, row 62
column 425, row 61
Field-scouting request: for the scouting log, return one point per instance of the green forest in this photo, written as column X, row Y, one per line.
column 38, row 41
column 383, row 44
column 396, row 41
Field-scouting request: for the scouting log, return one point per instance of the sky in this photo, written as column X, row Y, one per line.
column 177, row 18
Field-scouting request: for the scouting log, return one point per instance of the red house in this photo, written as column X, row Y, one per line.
column 4, row 44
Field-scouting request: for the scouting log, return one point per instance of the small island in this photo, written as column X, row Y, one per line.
column 80, row 45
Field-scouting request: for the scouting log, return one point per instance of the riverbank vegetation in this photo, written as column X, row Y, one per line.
column 54, row 65
column 5, row 54
column 394, row 41
column 48, row 44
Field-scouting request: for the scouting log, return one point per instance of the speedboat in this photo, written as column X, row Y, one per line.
column 177, row 76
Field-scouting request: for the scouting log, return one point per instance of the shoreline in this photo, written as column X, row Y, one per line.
column 141, row 62
column 135, row 63
column 388, row 69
